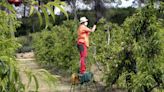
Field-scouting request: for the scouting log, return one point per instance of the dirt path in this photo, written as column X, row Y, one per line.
column 27, row 61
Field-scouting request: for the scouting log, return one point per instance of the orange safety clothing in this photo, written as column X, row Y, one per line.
column 83, row 35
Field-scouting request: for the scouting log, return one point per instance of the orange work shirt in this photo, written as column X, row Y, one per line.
column 83, row 35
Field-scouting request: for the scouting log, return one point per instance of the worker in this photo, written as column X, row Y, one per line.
column 83, row 42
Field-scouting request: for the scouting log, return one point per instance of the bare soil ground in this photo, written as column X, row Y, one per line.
column 27, row 61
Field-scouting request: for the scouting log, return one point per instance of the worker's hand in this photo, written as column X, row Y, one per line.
column 94, row 28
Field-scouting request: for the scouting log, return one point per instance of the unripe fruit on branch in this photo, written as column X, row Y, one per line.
column 11, row 1
column 15, row 2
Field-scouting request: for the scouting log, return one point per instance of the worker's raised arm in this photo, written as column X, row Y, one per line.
column 88, row 29
column 93, row 28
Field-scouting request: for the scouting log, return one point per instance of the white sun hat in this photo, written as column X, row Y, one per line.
column 83, row 19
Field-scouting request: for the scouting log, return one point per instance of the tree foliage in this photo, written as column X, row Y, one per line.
column 134, row 57
column 48, row 6
column 10, row 78
column 131, row 54
column 9, row 75
column 56, row 47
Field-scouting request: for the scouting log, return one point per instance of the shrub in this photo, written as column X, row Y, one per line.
column 57, row 47
column 26, row 42
column 134, row 57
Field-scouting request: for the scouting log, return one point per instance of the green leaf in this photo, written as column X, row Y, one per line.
column 31, row 10
column 51, row 11
column 63, row 3
column 36, row 83
column 57, row 1
column 34, row 2
column 58, row 6
column 40, row 18
column 8, row 6
column 50, row 79
column 29, row 79
column 46, row 16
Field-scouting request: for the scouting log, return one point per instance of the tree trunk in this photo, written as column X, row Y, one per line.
column 73, row 4
column 53, row 7
column 139, row 3
column 39, row 5
column 99, row 8
column 24, row 15
column 33, row 27
column 108, row 35
column 75, row 14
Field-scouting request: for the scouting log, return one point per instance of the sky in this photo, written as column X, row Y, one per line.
column 79, row 4
column 126, row 3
